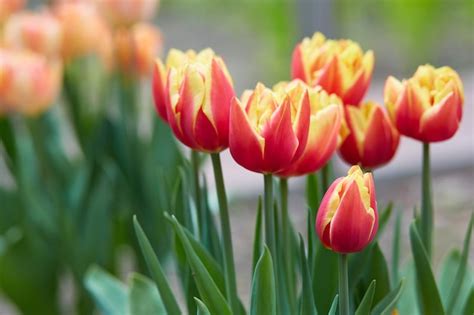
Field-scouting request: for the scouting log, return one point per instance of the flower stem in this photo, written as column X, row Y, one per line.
column 269, row 217
column 229, row 267
column 285, row 221
column 426, row 202
column 197, row 196
column 325, row 176
column 343, row 286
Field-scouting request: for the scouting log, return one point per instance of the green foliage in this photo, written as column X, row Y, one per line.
column 263, row 286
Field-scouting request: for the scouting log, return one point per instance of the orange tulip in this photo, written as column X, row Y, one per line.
column 347, row 219
column 373, row 139
column 8, row 7
column 84, row 31
column 194, row 93
column 136, row 48
column 339, row 66
column 327, row 127
column 428, row 106
column 38, row 32
column 269, row 129
column 128, row 12
column 29, row 83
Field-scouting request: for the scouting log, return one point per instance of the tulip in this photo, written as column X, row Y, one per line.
column 428, row 106
column 137, row 48
column 38, row 32
column 128, row 12
column 195, row 99
column 347, row 219
column 339, row 66
column 269, row 129
column 8, row 7
column 29, row 83
column 373, row 139
column 327, row 127
column 84, row 31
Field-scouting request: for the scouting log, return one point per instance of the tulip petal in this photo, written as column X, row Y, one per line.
column 441, row 121
column 352, row 224
column 222, row 93
column 246, row 146
column 297, row 66
column 408, row 112
column 206, row 135
column 302, row 125
column 281, row 142
column 158, row 85
column 361, row 82
column 323, row 223
column 392, row 90
column 329, row 79
column 369, row 183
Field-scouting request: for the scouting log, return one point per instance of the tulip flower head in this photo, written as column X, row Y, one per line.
column 128, row 12
column 339, row 66
column 327, row 127
column 428, row 106
column 373, row 139
column 29, row 83
column 38, row 32
column 269, row 128
column 193, row 94
column 8, row 7
column 347, row 219
column 136, row 48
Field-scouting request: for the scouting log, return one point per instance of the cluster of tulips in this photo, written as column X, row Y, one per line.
column 294, row 129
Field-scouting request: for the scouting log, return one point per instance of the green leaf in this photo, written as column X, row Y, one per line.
column 263, row 299
column 257, row 242
column 407, row 303
column 333, row 309
column 208, row 290
column 384, row 218
column 156, row 271
column 325, row 276
column 458, row 280
column 396, row 248
column 366, row 303
column 429, row 298
column 469, row 306
column 201, row 307
column 307, row 306
column 377, row 269
column 388, row 303
column 144, row 298
column 110, row 295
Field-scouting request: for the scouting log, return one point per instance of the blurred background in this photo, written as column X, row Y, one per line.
column 256, row 39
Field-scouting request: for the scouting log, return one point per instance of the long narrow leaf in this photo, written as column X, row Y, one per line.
column 263, row 299
column 307, row 306
column 333, row 309
column 366, row 303
column 156, row 271
column 429, row 298
column 257, row 242
column 144, row 298
column 387, row 304
column 201, row 307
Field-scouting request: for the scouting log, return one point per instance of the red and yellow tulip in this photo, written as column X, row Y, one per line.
column 327, row 127
column 428, row 106
column 137, row 47
column 373, row 139
column 193, row 93
column 29, row 82
column 38, row 32
column 128, row 12
column 339, row 66
column 269, row 129
column 8, row 7
column 347, row 219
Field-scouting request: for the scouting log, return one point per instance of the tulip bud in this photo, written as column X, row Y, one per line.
column 136, row 48
column 195, row 98
column 428, row 106
column 373, row 139
column 128, row 12
column 347, row 219
column 269, row 129
column 8, row 7
column 29, row 83
column 327, row 127
column 84, row 31
column 339, row 66
column 38, row 32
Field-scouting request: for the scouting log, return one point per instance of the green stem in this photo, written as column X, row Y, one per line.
column 269, row 217
column 325, row 176
column 287, row 250
column 229, row 268
column 426, row 202
column 197, row 196
column 343, row 286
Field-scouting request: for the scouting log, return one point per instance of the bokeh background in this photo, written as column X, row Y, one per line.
column 256, row 39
